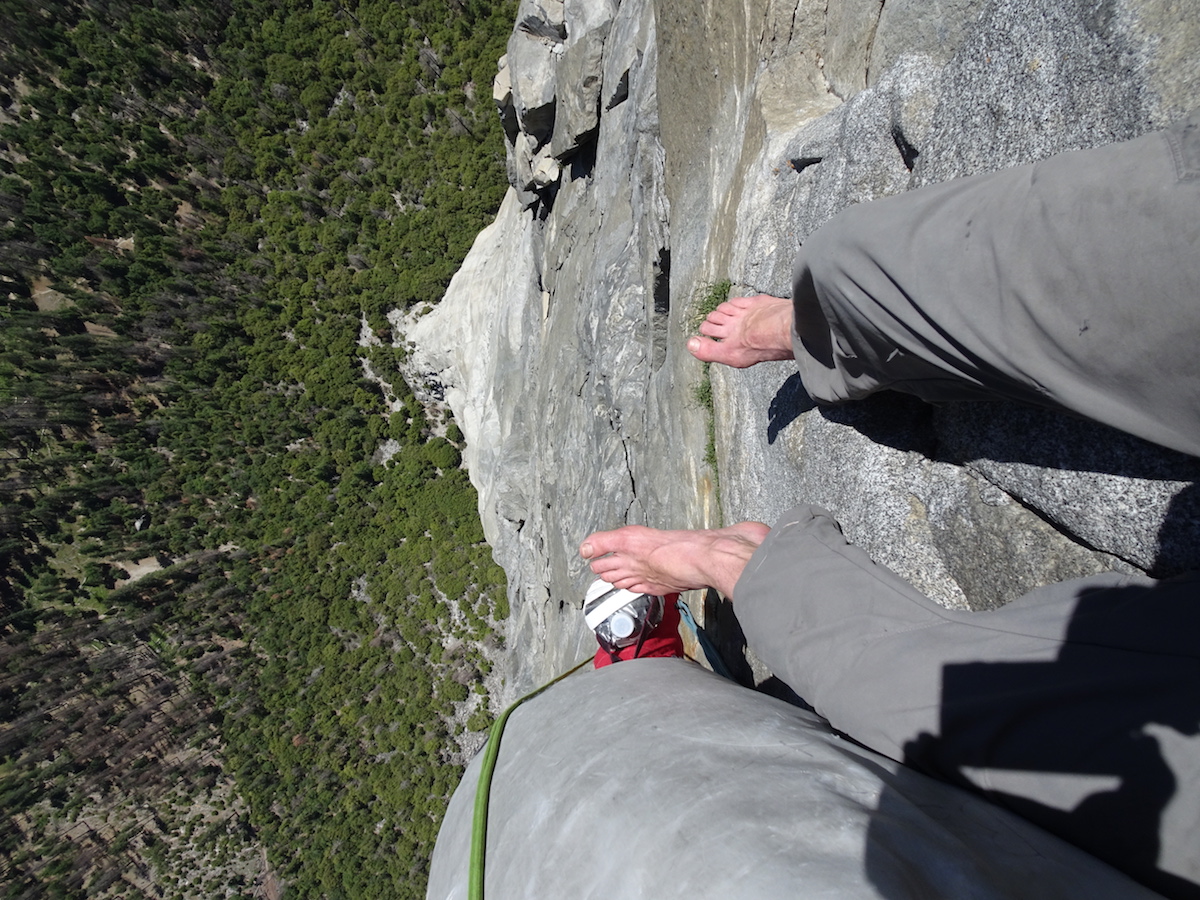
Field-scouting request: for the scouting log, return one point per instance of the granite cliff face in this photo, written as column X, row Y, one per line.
column 656, row 148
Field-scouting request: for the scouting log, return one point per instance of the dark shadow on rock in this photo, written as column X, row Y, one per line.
column 727, row 636
column 1007, row 432
column 725, row 632
column 896, row 420
column 1004, row 432
column 1014, row 432
column 789, row 402
column 583, row 161
column 1179, row 534
column 779, row 689
column 1064, row 743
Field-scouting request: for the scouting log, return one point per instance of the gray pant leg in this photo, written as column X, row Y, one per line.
column 1077, row 705
column 1071, row 283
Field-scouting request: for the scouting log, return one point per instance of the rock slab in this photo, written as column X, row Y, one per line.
column 657, row 148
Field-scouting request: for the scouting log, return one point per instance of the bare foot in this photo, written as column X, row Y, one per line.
column 744, row 331
column 650, row 561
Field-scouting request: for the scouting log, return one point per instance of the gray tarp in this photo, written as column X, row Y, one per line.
column 656, row 779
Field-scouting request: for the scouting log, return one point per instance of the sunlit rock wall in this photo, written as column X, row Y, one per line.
column 648, row 148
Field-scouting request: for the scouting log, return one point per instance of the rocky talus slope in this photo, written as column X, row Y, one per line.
column 652, row 153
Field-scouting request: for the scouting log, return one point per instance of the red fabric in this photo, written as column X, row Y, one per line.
column 664, row 640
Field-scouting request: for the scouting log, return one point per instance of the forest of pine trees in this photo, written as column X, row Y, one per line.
column 246, row 600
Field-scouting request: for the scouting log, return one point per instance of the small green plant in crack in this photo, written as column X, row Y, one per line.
column 709, row 298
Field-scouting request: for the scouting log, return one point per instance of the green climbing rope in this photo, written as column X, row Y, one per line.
column 490, row 753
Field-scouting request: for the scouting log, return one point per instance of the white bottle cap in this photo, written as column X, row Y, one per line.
column 621, row 625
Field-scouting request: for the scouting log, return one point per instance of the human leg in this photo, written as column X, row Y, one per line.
column 1076, row 705
column 1069, row 284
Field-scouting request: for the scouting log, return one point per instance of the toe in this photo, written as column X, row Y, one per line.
column 704, row 349
column 599, row 543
